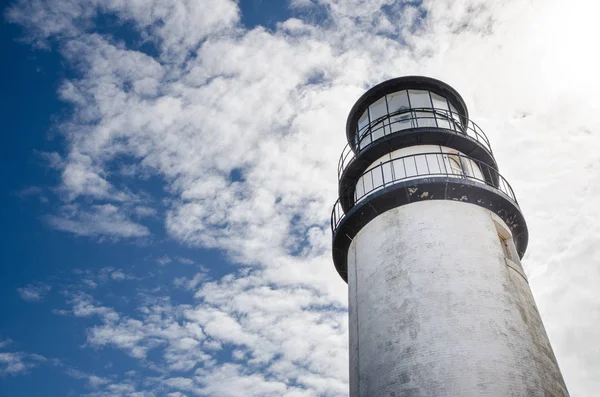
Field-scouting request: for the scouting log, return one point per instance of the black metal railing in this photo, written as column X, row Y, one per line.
column 418, row 166
column 407, row 119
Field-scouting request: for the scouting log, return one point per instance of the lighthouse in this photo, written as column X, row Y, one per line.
column 429, row 237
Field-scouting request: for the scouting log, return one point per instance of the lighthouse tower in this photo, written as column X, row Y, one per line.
column 429, row 237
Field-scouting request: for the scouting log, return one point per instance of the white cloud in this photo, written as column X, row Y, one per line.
column 82, row 178
column 189, row 284
column 217, row 97
column 30, row 191
column 143, row 211
column 185, row 261
column 173, row 26
column 34, row 292
column 118, row 275
column 18, row 363
column 104, row 220
column 126, row 388
column 52, row 159
column 84, row 306
column 266, row 327
column 164, row 260
column 176, row 394
column 93, row 381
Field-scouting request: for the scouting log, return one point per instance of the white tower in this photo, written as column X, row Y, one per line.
column 429, row 237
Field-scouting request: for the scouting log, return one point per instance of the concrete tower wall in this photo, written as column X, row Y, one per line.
column 436, row 309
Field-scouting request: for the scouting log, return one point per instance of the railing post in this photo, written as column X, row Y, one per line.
column 490, row 175
column 462, row 167
column 472, row 171
column 444, row 157
column 437, row 159
column 364, row 189
column 372, row 179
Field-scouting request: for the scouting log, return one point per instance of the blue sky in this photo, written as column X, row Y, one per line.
column 32, row 252
column 168, row 176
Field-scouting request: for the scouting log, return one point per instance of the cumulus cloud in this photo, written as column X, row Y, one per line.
column 217, row 100
column 84, row 306
column 17, row 363
column 143, row 211
column 33, row 191
column 189, row 284
column 264, row 326
column 185, row 261
column 175, row 27
column 104, row 220
column 34, row 292
column 164, row 260
column 93, row 381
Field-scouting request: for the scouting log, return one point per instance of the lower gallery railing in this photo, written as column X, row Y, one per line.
column 418, row 166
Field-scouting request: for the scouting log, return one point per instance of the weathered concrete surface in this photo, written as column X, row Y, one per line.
column 436, row 311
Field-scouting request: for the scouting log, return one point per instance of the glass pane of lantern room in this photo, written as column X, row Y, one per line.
column 443, row 120
column 361, row 128
column 377, row 109
column 457, row 121
column 453, row 109
column 439, row 102
column 402, row 121
column 419, row 99
column 397, row 101
column 379, row 130
column 442, row 114
column 365, row 140
column 425, row 119
column 363, row 122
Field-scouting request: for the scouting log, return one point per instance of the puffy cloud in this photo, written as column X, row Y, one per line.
column 34, row 292
column 164, row 260
column 93, row 381
column 185, row 261
column 104, row 220
column 189, row 284
column 84, row 306
column 176, row 27
column 289, row 340
column 18, row 363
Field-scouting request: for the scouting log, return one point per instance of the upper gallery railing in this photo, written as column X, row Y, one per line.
column 407, row 119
